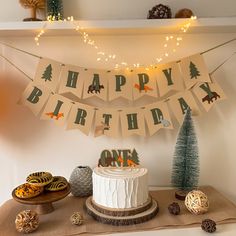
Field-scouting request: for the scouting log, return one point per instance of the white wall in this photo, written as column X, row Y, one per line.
column 28, row 144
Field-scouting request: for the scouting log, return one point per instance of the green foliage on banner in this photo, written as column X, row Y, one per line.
column 47, row 75
column 185, row 172
column 55, row 9
column 194, row 73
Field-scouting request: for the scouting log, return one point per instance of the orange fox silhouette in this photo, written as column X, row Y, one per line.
column 146, row 88
column 120, row 159
column 57, row 117
column 130, row 163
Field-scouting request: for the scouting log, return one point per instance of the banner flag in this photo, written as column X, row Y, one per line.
column 72, row 80
column 208, row 94
column 132, row 122
column 169, row 78
column 95, row 84
column 107, row 123
column 157, row 116
column 48, row 73
column 57, row 109
column 180, row 102
column 34, row 97
column 144, row 83
column 120, row 85
column 194, row 70
column 81, row 117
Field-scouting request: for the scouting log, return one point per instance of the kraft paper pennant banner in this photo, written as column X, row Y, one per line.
column 132, row 122
column 157, row 116
column 107, row 123
column 180, row 102
column 95, row 84
column 194, row 70
column 81, row 117
column 120, row 85
column 34, row 97
column 144, row 83
column 48, row 73
column 169, row 78
column 57, row 109
column 72, row 80
column 208, row 94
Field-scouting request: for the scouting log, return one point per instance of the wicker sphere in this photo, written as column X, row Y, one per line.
column 76, row 219
column 27, row 221
column 184, row 13
column 197, row 202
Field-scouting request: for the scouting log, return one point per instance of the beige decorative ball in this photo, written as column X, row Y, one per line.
column 197, row 202
column 76, row 219
column 27, row 221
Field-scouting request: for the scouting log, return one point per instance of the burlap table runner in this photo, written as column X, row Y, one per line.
column 57, row 223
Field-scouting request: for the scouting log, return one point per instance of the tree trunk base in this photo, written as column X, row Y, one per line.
column 180, row 195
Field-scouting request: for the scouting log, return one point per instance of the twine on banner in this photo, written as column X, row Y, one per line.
column 40, row 57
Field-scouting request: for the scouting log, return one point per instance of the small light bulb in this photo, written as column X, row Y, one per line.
column 165, row 45
column 166, row 54
column 98, row 59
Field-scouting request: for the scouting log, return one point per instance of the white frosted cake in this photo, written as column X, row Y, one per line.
column 120, row 187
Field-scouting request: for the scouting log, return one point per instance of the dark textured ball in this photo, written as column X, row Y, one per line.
column 174, row 208
column 160, row 12
column 184, row 13
column 208, row 225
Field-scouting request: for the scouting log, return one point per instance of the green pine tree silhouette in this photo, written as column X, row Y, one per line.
column 55, row 9
column 135, row 157
column 47, row 75
column 194, row 73
column 185, row 171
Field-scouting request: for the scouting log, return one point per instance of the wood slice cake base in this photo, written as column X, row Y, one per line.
column 122, row 217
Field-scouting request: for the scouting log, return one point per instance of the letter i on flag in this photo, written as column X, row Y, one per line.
column 48, row 73
column 57, row 109
column 34, row 97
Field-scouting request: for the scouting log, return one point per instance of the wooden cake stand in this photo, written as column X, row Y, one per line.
column 119, row 217
column 44, row 201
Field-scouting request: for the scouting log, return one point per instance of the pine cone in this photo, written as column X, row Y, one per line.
column 174, row 208
column 209, row 225
column 160, row 12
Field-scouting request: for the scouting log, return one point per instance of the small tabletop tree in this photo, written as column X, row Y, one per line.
column 33, row 5
column 185, row 172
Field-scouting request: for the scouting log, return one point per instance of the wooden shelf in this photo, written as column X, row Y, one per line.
column 121, row 27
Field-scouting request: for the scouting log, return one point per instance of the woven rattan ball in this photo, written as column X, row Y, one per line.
column 197, row 202
column 27, row 221
column 76, row 219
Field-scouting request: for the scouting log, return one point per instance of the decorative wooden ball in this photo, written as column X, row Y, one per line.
column 174, row 208
column 76, row 219
column 208, row 225
column 184, row 13
column 27, row 221
column 197, row 202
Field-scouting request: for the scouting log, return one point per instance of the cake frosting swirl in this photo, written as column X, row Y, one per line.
column 120, row 187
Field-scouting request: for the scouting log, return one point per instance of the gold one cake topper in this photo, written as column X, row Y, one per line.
column 118, row 158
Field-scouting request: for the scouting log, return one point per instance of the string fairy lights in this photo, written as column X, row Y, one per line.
column 170, row 45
